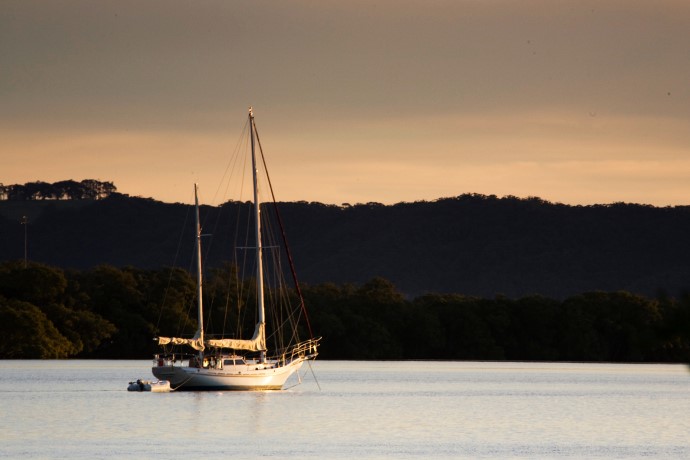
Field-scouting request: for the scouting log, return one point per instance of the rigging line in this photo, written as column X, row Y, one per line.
column 282, row 232
column 227, row 300
column 314, row 374
column 227, row 178
column 233, row 285
column 238, row 278
column 228, row 173
column 241, row 166
column 174, row 264
column 299, row 378
column 248, row 270
column 232, row 161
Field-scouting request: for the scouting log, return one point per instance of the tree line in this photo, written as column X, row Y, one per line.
column 87, row 189
column 108, row 312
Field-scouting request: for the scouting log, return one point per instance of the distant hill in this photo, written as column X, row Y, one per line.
column 471, row 244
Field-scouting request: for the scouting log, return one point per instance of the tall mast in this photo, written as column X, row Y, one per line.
column 257, row 228
column 200, row 304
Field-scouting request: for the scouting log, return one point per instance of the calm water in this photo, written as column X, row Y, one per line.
column 81, row 409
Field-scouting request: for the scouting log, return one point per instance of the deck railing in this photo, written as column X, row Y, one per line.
column 303, row 350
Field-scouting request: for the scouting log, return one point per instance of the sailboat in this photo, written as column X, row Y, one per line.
column 231, row 363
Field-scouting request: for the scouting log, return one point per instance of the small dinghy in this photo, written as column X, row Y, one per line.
column 157, row 386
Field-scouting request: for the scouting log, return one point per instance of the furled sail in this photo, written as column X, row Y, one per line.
column 195, row 343
column 256, row 343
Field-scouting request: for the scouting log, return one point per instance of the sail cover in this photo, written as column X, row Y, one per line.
column 256, row 343
column 194, row 343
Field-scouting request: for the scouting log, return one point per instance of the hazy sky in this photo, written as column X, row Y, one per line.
column 574, row 101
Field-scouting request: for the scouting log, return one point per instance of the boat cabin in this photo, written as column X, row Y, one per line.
column 234, row 361
column 217, row 362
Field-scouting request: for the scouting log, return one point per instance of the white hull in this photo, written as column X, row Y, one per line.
column 245, row 377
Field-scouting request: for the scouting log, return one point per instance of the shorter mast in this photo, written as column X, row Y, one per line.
column 200, row 331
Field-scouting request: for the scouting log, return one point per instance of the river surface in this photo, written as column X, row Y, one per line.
column 352, row 409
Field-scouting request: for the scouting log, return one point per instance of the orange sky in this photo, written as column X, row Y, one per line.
column 574, row 101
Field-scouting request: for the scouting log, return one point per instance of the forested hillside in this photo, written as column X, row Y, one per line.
column 109, row 312
column 470, row 245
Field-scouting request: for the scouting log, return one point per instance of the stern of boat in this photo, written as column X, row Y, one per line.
column 169, row 367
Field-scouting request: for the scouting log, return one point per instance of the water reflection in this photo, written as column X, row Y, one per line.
column 259, row 405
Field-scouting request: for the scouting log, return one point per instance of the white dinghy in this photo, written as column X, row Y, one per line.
column 155, row 386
